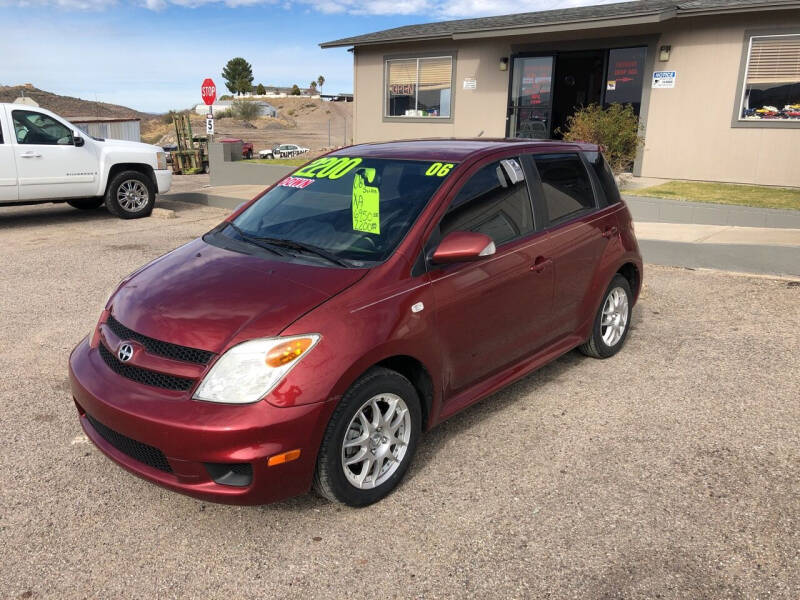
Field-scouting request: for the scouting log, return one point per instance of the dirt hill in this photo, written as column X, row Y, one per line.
column 303, row 121
column 67, row 106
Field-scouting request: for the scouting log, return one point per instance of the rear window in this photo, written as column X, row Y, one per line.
column 606, row 177
column 565, row 183
column 356, row 208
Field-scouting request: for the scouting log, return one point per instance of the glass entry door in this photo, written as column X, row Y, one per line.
column 530, row 111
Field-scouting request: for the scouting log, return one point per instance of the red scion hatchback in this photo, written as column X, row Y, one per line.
column 312, row 337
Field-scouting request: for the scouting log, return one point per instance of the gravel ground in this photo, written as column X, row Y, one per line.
column 669, row 471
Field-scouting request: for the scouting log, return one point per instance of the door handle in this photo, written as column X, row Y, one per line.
column 30, row 154
column 610, row 232
column 541, row 264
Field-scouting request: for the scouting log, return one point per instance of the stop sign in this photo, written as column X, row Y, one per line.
column 208, row 91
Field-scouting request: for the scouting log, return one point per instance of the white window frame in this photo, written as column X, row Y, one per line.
column 743, row 85
column 386, row 84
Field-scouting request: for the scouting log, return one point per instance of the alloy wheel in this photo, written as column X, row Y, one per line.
column 132, row 195
column 615, row 317
column 376, row 441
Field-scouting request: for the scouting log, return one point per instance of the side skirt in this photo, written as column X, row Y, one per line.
column 496, row 382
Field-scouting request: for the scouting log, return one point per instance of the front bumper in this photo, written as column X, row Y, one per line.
column 191, row 433
column 163, row 180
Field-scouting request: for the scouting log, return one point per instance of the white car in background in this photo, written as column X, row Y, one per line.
column 283, row 151
column 45, row 158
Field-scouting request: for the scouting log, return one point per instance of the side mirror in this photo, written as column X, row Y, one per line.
column 78, row 141
column 463, row 246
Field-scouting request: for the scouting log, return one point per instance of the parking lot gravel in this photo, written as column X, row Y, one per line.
column 669, row 471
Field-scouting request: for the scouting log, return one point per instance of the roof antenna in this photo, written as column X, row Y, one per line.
column 481, row 133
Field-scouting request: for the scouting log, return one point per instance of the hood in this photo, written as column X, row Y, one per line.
column 137, row 146
column 202, row 296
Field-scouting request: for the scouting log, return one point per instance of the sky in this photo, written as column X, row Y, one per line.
column 152, row 55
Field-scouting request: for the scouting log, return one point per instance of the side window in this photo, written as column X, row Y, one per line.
column 494, row 201
column 565, row 183
column 36, row 128
column 605, row 176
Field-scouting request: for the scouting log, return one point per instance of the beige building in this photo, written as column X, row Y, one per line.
column 716, row 83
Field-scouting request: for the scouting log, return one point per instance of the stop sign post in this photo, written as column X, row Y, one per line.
column 208, row 91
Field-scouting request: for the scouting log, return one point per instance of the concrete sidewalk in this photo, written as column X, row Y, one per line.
column 670, row 232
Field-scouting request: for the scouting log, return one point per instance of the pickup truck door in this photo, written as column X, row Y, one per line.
column 49, row 163
column 8, row 168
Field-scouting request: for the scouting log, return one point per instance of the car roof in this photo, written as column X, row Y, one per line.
column 455, row 149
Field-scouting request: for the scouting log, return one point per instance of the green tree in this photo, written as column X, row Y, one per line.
column 295, row 90
column 320, row 82
column 238, row 75
column 313, row 86
column 260, row 89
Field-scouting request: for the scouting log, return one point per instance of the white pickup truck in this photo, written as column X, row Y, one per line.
column 44, row 158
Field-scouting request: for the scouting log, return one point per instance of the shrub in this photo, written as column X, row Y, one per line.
column 245, row 110
column 615, row 129
column 223, row 114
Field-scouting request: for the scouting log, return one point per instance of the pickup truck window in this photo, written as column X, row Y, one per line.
column 37, row 128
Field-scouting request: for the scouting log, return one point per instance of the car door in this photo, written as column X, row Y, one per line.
column 579, row 231
column 490, row 313
column 8, row 167
column 49, row 163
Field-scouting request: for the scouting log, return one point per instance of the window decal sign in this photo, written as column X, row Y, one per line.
column 296, row 182
column 438, row 169
column 366, row 203
column 328, row 167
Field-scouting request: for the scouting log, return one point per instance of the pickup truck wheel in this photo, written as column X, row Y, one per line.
column 86, row 203
column 130, row 195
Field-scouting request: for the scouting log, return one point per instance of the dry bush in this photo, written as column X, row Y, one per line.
column 615, row 129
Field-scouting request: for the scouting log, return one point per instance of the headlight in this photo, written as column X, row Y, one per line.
column 248, row 372
column 161, row 159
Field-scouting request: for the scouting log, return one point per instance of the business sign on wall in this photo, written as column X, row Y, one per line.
column 664, row 79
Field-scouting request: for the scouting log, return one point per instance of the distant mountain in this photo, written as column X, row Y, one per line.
column 67, row 106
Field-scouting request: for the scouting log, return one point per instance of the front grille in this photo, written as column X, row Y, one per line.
column 152, row 457
column 145, row 376
column 165, row 349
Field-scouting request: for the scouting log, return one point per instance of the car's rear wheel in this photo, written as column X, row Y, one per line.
column 613, row 320
column 130, row 195
column 370, row 439
column 86, row 203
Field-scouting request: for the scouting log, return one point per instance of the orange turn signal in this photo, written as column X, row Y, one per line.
column 288, row 351
column 283, row 457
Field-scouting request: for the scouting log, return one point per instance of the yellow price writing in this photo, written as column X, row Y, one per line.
column 328, row 167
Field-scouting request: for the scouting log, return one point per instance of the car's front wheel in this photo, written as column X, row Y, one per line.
column 370, row 440
column 612, row 322
column 130, row 195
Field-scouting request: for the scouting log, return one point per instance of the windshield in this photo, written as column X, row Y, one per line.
column 358, row 209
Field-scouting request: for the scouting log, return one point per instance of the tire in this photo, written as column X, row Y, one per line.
column 607, row 340
column 249, row 155
column 141, row 201
column 86, row 203
column 370, row 438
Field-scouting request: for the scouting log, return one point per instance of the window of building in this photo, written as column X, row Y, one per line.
column 565, row 183
column 625, row 76
column 419, row 87
column 491, row 203
column 772, row 79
